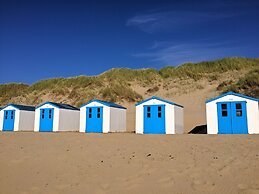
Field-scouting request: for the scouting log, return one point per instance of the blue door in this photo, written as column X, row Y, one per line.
column 232, row 118
column 94, row 120
column 239, row 118
column 154, row 119
column 9, row 116
column 46, row 119
column 224, row 118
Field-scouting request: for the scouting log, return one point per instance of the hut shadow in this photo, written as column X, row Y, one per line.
column 199, row 129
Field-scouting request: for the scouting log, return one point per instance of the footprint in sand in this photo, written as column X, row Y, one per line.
column 34, row 189
column 198, row 184
column 100, row 191
column 17, row 161
column 132, row 186
column 105, row 186
column 250, row 191
column 166, row 182
column 226, row 164
column 62, row 186
column 138, row 177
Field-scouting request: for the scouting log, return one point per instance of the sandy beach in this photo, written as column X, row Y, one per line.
column 128, row 163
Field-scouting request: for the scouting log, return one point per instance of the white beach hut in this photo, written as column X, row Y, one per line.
column 99, row 116
column 158, row 116
column 54, row 117
column 16, row 117
column 232, row 113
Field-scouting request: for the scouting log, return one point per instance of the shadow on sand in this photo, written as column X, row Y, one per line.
column 199, row 129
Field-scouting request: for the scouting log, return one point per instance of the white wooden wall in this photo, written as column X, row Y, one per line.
column 118, row 119
column 1, row 119
column 69, row 120
column 179, row 120
column 26, row 121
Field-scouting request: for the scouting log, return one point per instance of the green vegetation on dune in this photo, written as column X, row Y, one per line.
column 247, row 84
column 9, row 91
column 115, row 84
column 144, row 76
column 80, row 81
column 116, row 92
column 199, row 70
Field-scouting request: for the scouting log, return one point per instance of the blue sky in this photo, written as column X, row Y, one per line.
column 41, row 39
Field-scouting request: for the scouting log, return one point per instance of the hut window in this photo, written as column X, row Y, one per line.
column 239, row 113
column 224, row 110
column 239, row 110
column 98, row 112
column 90, row 113
column 238, row 106
column 11, row 114
column 159, row 111
column 42, row 113
column 224, row 106
column 6, row 114
column 224, row 113
column 148, row 112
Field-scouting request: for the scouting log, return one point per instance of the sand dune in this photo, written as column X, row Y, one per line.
column 128, row 163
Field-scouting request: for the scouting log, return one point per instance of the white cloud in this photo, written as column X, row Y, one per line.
column 172, row 20
column 176, row 54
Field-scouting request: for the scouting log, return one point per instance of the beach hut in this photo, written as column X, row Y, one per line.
column 54, row 117
column 17, row 117
column 232, row 113
column 158, row 116
column 99, row 116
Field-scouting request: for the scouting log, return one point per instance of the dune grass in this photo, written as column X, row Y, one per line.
column 118, row 92
column 115, row 84
column 75, row 82
column 247, row 84
column 199, row 70
column 9, row 91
